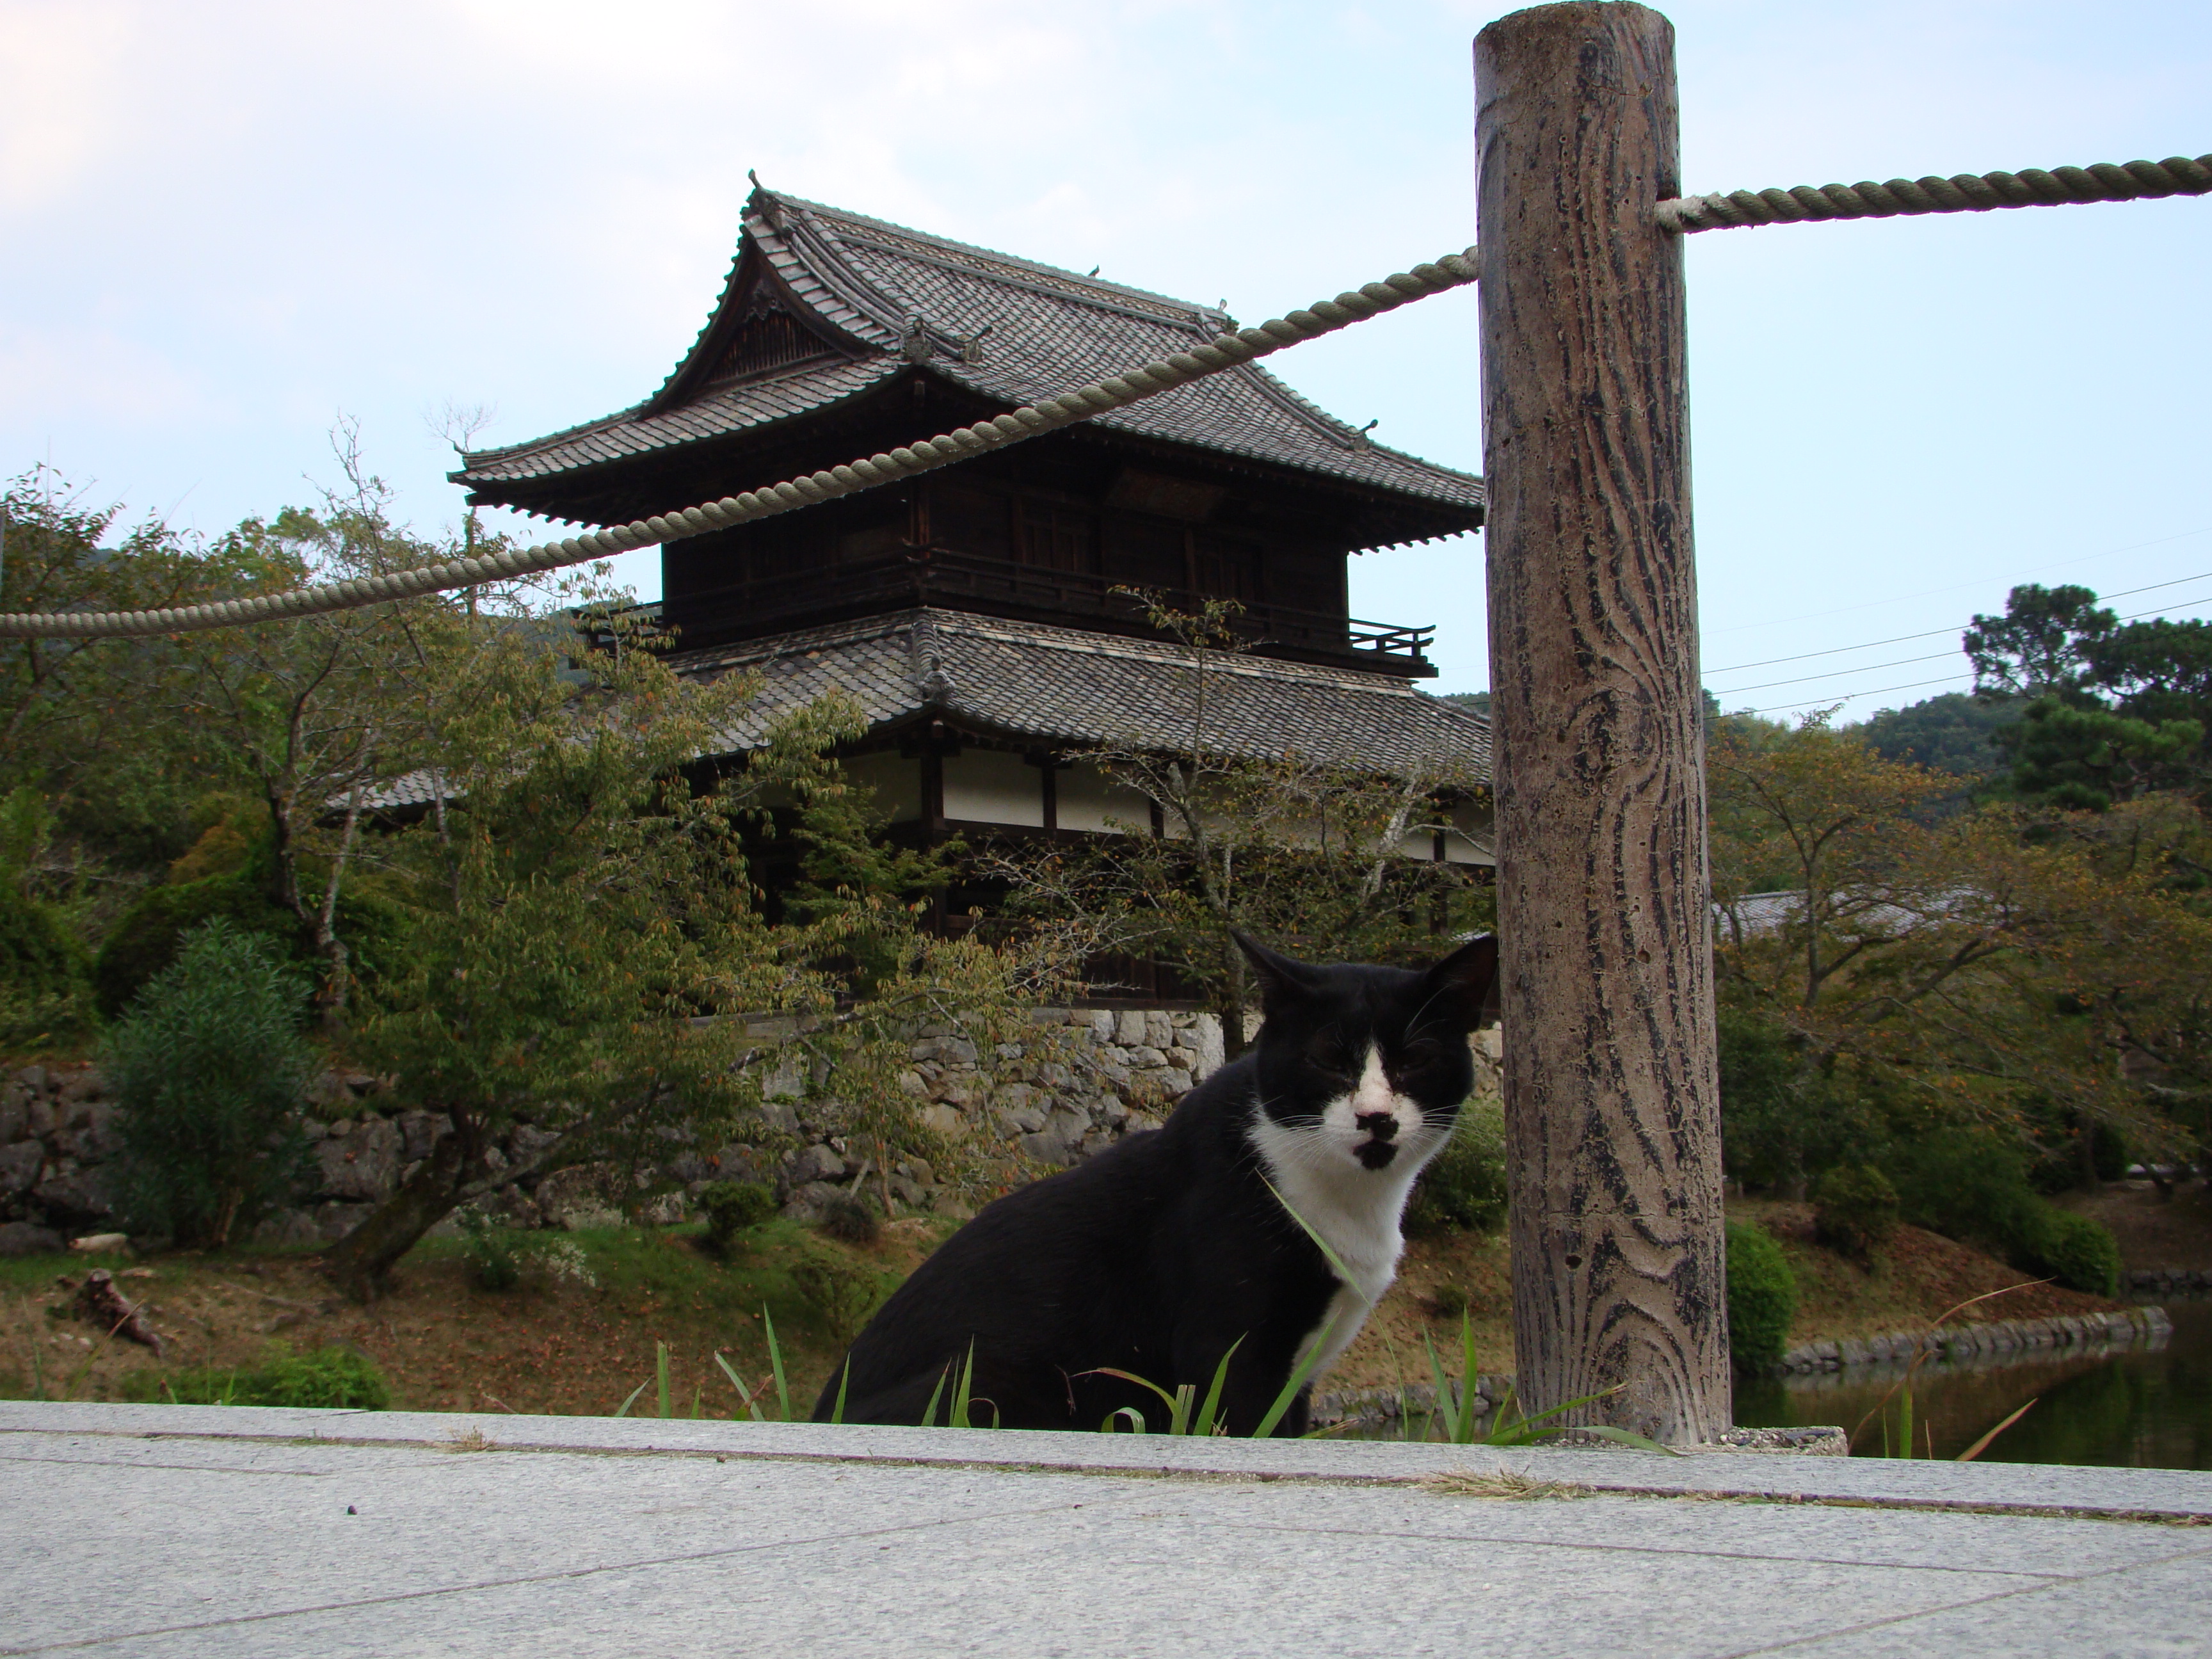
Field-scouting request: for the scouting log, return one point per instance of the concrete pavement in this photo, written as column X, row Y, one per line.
column 196, row 1530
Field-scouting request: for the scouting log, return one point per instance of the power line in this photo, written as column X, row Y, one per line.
column 1929, row 592
column 1932, row 656
column 1903, row 639
column 1852, row 697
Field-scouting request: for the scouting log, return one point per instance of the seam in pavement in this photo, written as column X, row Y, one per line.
column 1955, row 1607
column 399, row 1597
column 1656, row 1549
column 189, row 1468
column 1022, row 1466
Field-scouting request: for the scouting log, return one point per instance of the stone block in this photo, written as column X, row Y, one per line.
column 419, row 1132
column 32, row 1079
column 89, row 1084
column 286, row 1228
column 1159, row 1030
column 360, row 1167
column 1144, row 1058
column 1129, row 1027
column 41, row 1117
column 20, row 1165
column 1101, row 1021
column 15, row 1112
column 525, row 1143
column 944, row 1121
column 76, row 1198
column 22, row 1238
column 334, row 1219
column 808, row 1203
column 816, row 1162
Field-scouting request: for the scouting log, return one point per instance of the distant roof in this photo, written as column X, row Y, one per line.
column 823, row 306
column 1067, row 688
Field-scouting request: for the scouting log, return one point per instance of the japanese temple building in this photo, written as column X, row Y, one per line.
column 971, row 612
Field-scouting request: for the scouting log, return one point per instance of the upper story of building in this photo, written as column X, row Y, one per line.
column 838, row 336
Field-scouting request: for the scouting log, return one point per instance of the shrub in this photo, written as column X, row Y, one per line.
column 731, row 1207
column 1969, row 1185
column 2078, row 1252
column 1464, row 1186
column 843, row 1293
column 850, row 1217
column 151, row 935
column 211, row 1070
column 489, row 1251
column 1855, row 1210
column 43, row 986
column 1762, row 1297
column 329, row 1377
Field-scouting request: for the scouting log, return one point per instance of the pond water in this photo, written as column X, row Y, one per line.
column 2145, row 1407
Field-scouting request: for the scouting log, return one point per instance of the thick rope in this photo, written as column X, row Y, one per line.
column 1047, row 415
column 1967, row 193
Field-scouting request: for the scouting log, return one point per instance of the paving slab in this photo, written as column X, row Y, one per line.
column 182, row 1530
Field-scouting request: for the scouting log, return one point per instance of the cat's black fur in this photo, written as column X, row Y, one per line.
column 1158, row 1254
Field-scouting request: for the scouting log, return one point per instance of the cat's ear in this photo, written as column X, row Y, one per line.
column 1282, row 981
column 1463, row 986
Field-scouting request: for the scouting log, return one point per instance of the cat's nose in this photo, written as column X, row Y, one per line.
column 1380, row 1125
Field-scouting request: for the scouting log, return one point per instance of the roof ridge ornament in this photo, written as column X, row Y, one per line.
column 916, row 346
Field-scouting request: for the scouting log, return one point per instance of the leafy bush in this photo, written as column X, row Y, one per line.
column 850, row 1217
column 152, row 931
column 488, row 1250
column 1969, row 1185
column 731, row 1207
column 43, row 986
column 1783, row 1116
column 1855, row 1210
column 1464, row 1186
column 151, row 934
column 330, row 1377
column 211, row 1070
column 2079, row 1253
column 843, row 1293
column 1762, row 1297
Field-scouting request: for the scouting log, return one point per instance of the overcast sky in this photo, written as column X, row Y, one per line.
column 226, row 225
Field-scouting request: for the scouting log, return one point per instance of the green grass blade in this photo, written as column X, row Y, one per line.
column 1136, row 1420
column 1467, row 1393
column 775, row 1363
column 744, row 1393
column 1298, row 1377
column 1186, row 1397
column 695, row 1394
column 958, row 1417
column 844, row 1381
column 623, row 1410
column 1904, row 1421
column 661, row 1370
column 929, row 1412
column 1621, row 1437
column 1335, row 1262
column 1208, row 1411
column 1130, row 1376
column 1450, row 1414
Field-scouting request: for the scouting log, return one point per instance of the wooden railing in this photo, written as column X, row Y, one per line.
column 925, row 576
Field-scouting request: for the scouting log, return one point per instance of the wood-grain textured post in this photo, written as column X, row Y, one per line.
column 1612, row 1100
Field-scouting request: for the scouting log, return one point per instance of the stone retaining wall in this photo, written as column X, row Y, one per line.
column 1089, row 1077
column 2006, row 1339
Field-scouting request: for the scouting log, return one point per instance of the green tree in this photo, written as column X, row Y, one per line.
column 211, row 1071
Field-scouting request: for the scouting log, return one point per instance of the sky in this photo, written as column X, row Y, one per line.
column 229, row 226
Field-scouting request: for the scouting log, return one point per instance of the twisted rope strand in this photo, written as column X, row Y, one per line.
column 1047, row 415
column 1965, row 192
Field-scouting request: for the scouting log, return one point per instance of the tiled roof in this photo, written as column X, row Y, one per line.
column 1032, row 330
column 1063, row 685
column 1066, row 686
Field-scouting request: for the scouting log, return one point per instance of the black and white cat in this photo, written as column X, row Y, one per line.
column 1159, row 1252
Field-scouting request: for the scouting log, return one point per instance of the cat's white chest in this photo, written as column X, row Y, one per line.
column 1353, row 1209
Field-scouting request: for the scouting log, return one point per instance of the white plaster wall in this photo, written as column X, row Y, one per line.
column 990, row 786
column 896, row 780
column 1088, row 798
column 1473, row 835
